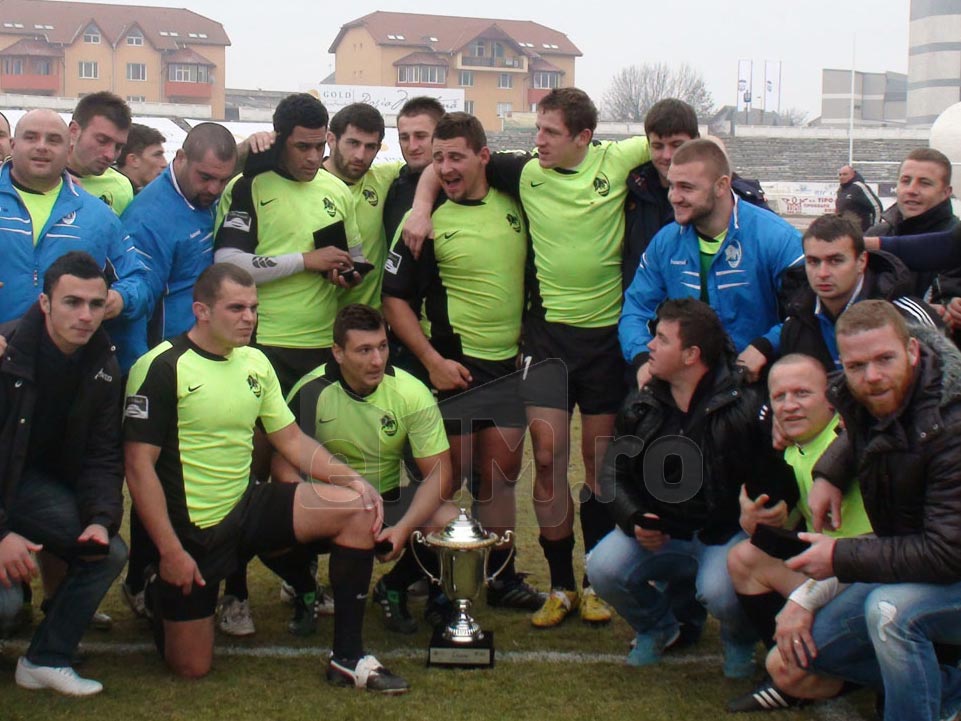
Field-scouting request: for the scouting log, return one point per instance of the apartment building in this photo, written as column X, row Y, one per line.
column 504, row 66
column 143, row 54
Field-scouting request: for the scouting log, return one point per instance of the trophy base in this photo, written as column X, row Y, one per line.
column 476, row 654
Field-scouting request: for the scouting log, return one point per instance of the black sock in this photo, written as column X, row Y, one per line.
column 350, row 570
column 405, row 572
column 497, row 559
column 559, row 555
column 761, row 610
column 596, row 522
column 236, row 584
column 142, row 553
column 294, row 568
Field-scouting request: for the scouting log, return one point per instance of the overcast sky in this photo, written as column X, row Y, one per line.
column 280, row 44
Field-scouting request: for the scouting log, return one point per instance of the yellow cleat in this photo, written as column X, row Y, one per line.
column 555, row 609
column 593, row 608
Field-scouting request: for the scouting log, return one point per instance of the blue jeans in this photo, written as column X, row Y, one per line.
column 45, row 511
column 883, row 635
column 620, row 570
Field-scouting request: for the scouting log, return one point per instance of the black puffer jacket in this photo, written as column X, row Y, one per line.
column 909, row 470
column 91, row 451
column 886, row 278
column 734, row 448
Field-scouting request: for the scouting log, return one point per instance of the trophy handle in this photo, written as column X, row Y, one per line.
column 508, row 535
column 418, row 537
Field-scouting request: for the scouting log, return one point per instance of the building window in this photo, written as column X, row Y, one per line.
column 469, row 106
column 505, row 81
column 136, row 71
column 478, row 48
column 12, row 66
column 504, row 109
column 546, row 81
column 466, row 78
column 92, row 35
column 179, row 73
column 498, row 50
column 426, row 74
column 136, row 98
column 135, row 37
column 43, row 67
column 89, row 70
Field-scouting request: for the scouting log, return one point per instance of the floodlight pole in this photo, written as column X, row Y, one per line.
column 851, row 108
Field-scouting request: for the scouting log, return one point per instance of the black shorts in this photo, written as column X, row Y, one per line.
column 492, row 400
column 564, row 366
column 261, row 522
column 292, row 364
column 396, row 502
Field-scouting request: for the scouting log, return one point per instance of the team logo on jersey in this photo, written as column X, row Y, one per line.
column 330, row 207
column 602, row 186
column 69, row 218
column 393, row 263
column 137, row 407
column 733, row 253
column 515, row 222
column 237, row 220
column 388, row 424
column 107, row 198
column 370, row 195
column 254, row 385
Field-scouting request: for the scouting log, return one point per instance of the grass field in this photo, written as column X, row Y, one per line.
column 571, row 672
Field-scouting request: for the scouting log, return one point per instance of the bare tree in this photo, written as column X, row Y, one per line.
column 636, row 88
column 793, row 116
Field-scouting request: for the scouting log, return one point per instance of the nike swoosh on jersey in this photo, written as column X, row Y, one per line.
column 267, row 202
column 537, row 185
column 191, row 389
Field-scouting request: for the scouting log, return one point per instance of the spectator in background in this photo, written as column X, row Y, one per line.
column 855, row 199
column 142, row 158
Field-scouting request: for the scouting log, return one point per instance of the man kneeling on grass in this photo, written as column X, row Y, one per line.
column 192, row 404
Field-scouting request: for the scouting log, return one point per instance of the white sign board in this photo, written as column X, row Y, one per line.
column 386, row 99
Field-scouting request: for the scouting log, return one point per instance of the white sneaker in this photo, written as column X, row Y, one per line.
column 135, row 601
column 233, row 617
column 60, row 678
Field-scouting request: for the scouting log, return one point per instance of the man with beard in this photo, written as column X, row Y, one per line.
column 728, row 253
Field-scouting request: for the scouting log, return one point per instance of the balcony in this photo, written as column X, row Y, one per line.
column 482, row 61
column 174, row 89
column 30, row 84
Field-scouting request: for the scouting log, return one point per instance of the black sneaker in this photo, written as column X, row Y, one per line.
column 393, row 604
column 766, row 697
column 438, row 610
column 514, row 592
column 304, row 621
column 366, row 673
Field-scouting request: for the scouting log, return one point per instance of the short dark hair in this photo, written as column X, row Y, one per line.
column 703, row 150
column 106, row 104
column 212, row 137
column 77, row 263
column 208, row 285
column 461, row 125
column 301, row 109
column 698, row 325
column 366, row 118
column 870, row 315
column 930, row 155
column 830, row 227
column 139, row 139
column 575, row 106
column 422, row 105
column 356, row 316
column 671, row 116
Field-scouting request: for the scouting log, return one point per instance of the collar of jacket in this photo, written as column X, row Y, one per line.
column 24, row 343
column 937, row 218
column 725, row 388
column 644, row 183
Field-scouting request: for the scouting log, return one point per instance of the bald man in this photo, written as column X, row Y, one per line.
column 855, row 199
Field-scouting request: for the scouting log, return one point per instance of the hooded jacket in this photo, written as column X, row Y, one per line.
column 910, row 475
column 91, row 452
column 855, row 199
column 733, row 446
column 885, row 278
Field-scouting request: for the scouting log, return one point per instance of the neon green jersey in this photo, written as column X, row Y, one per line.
column 112, row 187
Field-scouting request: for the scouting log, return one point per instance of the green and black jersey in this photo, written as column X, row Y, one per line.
column 112, row 187
column 272, row 214
column 368, row 433
column 576, row 220
column 201, row 409
column 370, row 194
column 471, row 277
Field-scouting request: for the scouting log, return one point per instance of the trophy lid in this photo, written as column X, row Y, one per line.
column 463, row 532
